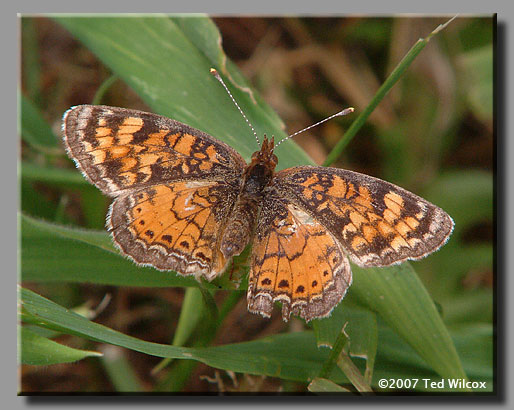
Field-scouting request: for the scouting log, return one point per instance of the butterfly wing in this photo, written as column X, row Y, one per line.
column 119, row 149
column 173, row 185
column 175, row 226
column 377, row 223
column 297, row 261
column 312, row 217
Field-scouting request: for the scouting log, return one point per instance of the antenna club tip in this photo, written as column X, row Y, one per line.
column 214, row 72
column 346, row 111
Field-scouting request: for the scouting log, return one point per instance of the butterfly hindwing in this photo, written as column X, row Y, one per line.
column 175, row 226
column 297, row 261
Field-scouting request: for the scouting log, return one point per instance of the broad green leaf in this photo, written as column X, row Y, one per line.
column 291, row 356
column 160, row 59
column 38, row 350
column 206, row 37
column 398, row 296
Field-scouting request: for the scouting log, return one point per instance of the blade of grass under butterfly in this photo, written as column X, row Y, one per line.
column 291, row 356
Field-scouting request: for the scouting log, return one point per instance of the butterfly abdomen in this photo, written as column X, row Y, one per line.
column 256, row 177
column 240, row 226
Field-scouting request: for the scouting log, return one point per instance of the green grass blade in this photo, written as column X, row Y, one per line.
column 190, row 314
column 330, row 363
column 393, row 78
column 31, row 172
column 291, row 356
column 38, row 350
column 353, row 373
column 102, row 90
column 35, row 130
column 119, row 370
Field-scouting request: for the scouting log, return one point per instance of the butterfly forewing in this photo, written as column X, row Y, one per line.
column 119, row 149
column 377, row 223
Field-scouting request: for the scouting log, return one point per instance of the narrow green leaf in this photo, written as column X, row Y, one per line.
column 362, row 331
column 339, row 356
column 31, row 172
column 333, row 357
column 120, row 372
column 291, row 356
column 393, row 78
column 35, row 130
column 38, row 350
column 97, row 99
column 352, row 372
column 190, row 314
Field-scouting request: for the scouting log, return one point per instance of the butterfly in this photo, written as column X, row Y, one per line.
column 187, row 202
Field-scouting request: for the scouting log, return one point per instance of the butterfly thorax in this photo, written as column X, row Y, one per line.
column 256, row 177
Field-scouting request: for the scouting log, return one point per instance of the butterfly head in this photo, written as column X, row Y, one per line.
column 259, row 173
column 265, row 157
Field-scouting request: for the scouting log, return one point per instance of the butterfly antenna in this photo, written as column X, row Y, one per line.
column 338, row 114
column 215, row 73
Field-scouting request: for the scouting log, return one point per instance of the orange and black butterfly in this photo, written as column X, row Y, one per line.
column 187, row 202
